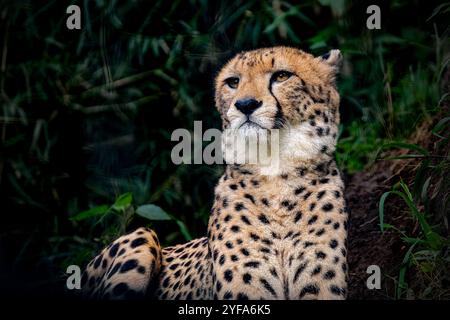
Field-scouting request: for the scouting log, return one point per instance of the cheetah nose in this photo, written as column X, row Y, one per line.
column 247, row 105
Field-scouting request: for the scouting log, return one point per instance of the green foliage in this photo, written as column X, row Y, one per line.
column 431, row 238
column 152, row 212
column 428, row 250
column 92, row 212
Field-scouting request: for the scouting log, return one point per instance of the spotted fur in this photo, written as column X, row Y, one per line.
column 274, row 232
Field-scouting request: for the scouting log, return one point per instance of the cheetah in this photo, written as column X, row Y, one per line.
column 274, row 232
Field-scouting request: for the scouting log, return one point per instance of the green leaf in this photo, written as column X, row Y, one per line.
column 93, row 212
column 433, row 239
column 318, row 45
column 426, row 266
column 402, row 285
column 381, row 209
column 152, row 212
column 403, row 145
column 123, row 201
column 388, row 226
column 441, row 126
column 439, row 9
column 410, row 240
column 184, row 231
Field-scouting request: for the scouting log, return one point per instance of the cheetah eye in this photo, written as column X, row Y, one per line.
column 232, row 82
column 281, row 76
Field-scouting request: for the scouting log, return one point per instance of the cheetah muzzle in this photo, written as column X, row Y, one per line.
column 274, row 232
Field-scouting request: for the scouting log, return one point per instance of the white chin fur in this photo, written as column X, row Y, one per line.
column 240, row 146
column 288, row 147
column 298, row 144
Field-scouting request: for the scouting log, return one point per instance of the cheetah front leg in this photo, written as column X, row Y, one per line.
column 321, row 270
column 125, row 268
column 135, row 266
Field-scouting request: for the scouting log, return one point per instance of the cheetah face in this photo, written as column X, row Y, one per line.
column 282, row 88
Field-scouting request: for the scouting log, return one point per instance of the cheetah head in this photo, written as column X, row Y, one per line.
column 287, row 89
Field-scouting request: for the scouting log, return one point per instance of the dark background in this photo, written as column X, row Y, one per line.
column 87, row 114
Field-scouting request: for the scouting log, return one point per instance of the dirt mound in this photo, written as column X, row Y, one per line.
column 367, row 245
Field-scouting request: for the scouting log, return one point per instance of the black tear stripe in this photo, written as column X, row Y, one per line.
column 279, row 117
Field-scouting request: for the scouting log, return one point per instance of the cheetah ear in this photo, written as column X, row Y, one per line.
column 333, row 58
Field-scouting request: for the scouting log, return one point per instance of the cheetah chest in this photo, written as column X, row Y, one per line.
column 285, row 250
